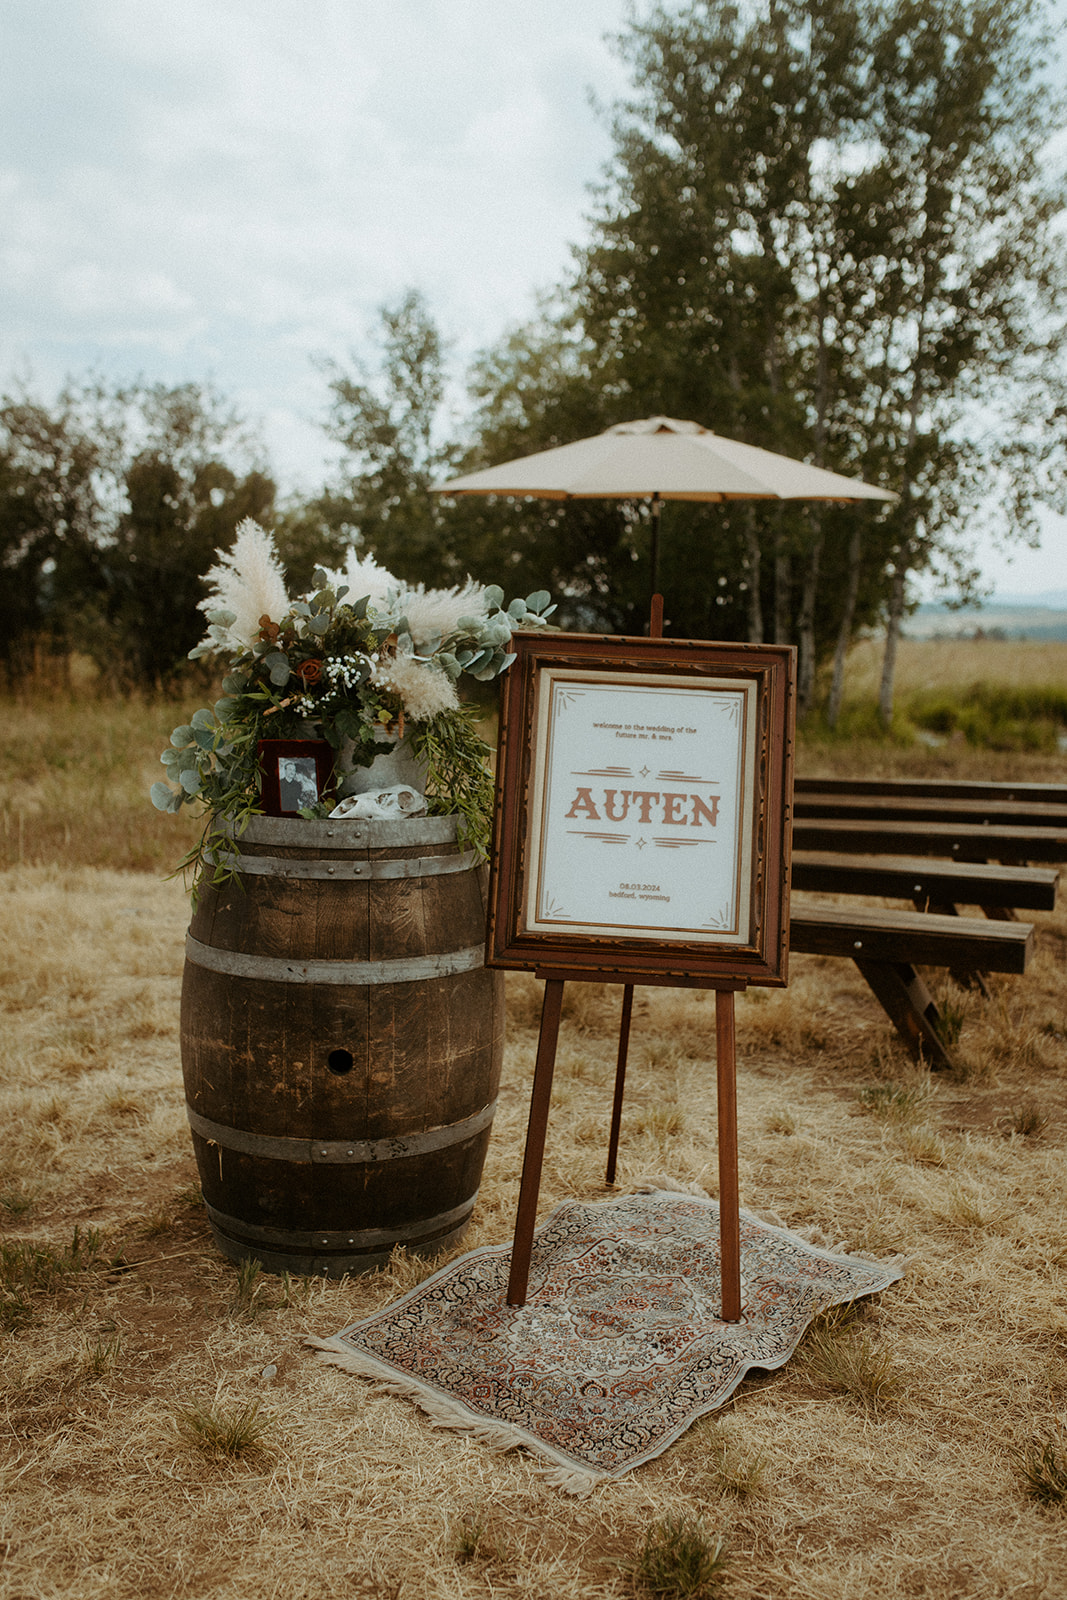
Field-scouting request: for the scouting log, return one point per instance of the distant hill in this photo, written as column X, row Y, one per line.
column 1005, row 616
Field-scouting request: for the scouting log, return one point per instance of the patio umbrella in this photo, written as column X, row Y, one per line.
column 657, row 459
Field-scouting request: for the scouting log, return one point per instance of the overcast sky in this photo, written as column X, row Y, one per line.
column 225, row 189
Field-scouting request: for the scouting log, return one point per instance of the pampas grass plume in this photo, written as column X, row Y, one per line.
column 248, row 581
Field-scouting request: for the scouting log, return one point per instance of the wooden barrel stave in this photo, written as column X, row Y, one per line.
column 272, row 1054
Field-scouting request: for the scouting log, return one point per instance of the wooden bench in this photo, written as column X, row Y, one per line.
column 1053, row 794
column 887, row 946
column 959, row 841
column 930, row 884
column 883, row 838
column 981, row 811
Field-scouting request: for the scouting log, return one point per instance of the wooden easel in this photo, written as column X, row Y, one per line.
column 541, row 1097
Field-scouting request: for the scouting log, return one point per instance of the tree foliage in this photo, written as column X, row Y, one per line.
column 386, row 422
column 825, row 231
column 112, row 504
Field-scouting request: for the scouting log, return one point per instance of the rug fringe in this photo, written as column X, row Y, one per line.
column 455, row 1416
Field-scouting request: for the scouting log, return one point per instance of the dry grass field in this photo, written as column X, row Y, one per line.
column 166, row 1432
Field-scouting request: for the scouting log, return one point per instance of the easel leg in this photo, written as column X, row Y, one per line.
column 540, row 1100
column 620, row 1079
column 729, row 1200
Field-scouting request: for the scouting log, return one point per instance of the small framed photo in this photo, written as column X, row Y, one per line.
column 296, row 774
column 644, row 792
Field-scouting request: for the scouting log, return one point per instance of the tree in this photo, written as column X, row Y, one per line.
column 112, row 504
column 825, row 231
column 55, row 464
column 386, row 423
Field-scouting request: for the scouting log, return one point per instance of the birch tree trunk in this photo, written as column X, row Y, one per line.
column 844, row 632
column 752, row 568
column 806, row 626
column 892, row 640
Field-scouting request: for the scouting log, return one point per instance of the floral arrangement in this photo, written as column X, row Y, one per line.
column 361, row 662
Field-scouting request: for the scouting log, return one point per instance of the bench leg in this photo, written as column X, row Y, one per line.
column 964, row 977
column 910, row 1007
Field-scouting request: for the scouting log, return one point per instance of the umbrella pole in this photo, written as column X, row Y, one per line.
column 657, row 504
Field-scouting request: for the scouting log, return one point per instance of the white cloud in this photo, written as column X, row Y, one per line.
column 196, row 190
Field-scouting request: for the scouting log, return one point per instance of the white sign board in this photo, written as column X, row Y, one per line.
column 641, row 810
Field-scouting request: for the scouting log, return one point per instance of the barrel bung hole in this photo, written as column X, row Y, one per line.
column 340, row 1062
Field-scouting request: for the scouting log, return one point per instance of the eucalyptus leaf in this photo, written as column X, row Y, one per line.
column 202, row 719
column 517, row 609
column 162, row 795
column 234, row 683
column 494, row 596
column 320, row 623
column 170, row 758
column 182, row 735
column 537, row 601
column 191, row 781
column 225, row 706
column 204, row 738
column 222, row 615
column 278, row 665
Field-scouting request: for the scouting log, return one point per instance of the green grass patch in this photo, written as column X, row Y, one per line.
column 680, row 1559
column 993, row 716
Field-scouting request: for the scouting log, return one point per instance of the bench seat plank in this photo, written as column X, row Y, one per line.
column 886, row 808
column 926, row 880
column 1054, row 794
column 960, row 841
column 888, row 945
column 917, row 937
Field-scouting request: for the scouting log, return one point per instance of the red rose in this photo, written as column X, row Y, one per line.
column 310, row 671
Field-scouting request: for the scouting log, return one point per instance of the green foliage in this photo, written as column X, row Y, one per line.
column 225, row 1434
column 101, row 1355
column 847, row 1360
column 458, row 779
column 112, row 503
column 1042, row 1465
column 680, row 1559
column 896, row 1102
column 247, row 1288
column 827, row 231
column 328, row 669
column 995, row 716
column 386, row 422
column 27, row 1268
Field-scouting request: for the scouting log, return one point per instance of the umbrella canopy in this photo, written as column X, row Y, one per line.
column 660, row 458
column 656, row 459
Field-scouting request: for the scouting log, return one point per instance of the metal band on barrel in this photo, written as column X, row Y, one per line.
column 337, row 1239
column 340, row 1151
column 278, row 969
column 343, row 871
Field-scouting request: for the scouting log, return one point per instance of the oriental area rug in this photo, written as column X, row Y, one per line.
column 619, row 1347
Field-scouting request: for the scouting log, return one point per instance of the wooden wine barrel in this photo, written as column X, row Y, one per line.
column 341, row 1042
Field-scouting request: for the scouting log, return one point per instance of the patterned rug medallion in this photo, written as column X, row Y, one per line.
column 620, row 1345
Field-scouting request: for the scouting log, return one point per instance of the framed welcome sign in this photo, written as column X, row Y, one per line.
column 644, row 790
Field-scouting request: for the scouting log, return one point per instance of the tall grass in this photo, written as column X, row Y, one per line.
column 77, row 761
column 75, row 771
